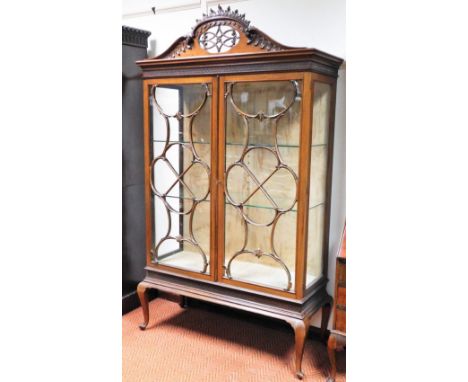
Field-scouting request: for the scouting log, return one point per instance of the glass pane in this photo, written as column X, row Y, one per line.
column 180, row 175
column 262, row 131
column 318, row 180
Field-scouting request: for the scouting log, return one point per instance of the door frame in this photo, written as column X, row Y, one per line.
column 302, row 182
column 149, row 213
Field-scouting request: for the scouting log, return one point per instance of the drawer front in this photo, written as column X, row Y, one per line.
column 341, row 272
column 340, row 322
column 341, row 296
column 340, row 308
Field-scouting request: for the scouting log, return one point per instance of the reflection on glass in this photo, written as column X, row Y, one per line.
column 180, row 174
column 262, row 129
column 318, row 180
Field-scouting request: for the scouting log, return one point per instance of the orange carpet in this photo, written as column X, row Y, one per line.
column 205, row 343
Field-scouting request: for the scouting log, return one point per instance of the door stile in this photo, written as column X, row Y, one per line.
column 220, row 179
column 304, row 185
column 214, row 180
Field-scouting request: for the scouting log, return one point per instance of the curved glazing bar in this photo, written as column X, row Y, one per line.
column 194, row 160
column 261, row 185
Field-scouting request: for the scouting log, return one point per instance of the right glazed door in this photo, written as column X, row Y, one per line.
column 260, row 128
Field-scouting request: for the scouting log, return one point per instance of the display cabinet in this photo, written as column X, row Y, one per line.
column 238, row 133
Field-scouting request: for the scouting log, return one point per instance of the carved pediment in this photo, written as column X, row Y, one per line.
column 222, row 31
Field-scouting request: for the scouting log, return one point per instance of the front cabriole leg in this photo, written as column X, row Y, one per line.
column 326, row 311
column 301, row 327
column 183, row 302
column 331, row 348
column 142, row 291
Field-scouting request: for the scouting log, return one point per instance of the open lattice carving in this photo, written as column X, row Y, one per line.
column 222, row 31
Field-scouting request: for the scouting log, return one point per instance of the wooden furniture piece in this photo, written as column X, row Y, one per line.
column 337, row 339
column 134, row 43
column 238, row 146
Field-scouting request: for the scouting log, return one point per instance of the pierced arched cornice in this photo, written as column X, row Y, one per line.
column 222, row 31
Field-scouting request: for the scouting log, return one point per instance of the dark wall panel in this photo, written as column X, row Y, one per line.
column 134, row 45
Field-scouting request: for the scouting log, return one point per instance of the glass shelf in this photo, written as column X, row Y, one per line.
column 246, row 205
column 234, row 144
column 227, row 143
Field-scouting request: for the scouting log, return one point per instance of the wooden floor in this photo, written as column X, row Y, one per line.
column 207, row 343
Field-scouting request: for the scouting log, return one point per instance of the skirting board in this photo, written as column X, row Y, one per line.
column 131, row 302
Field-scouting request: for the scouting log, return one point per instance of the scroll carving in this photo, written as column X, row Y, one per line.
column 222, row 31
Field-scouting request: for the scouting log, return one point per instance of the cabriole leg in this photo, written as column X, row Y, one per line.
column 337, row 341
column 326, row 311
column 183, row 302
column 142, row 291
column 301, row 327
column 332, row 356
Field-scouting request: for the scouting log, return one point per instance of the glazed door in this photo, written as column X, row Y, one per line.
column 181, row 147
column 260, row 127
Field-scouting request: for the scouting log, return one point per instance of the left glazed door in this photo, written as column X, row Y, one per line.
column 180, row 141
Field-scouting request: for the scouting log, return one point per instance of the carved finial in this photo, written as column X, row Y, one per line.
column 227, row 13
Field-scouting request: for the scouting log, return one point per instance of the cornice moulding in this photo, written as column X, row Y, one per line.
column 135, row 37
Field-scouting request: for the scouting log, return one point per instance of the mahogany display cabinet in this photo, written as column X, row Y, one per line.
column 238, row 134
